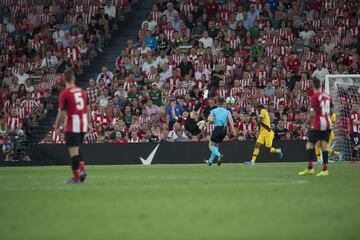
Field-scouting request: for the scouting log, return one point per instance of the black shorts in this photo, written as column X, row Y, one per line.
column 314, row 136
column 218, row 134
column 355, row 138
column 73, row 139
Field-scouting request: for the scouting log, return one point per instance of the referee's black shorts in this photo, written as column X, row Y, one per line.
column 316, row 135
column 218, row 134
column 73, row 139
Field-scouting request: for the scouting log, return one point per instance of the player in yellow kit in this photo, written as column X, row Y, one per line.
column 331, row 138
column 266, row 135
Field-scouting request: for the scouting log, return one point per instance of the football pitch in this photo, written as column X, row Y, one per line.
column 265, row 201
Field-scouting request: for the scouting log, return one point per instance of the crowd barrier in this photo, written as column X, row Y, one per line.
column 159, row 153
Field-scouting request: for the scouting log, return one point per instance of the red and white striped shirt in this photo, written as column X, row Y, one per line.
column 263, row 100
column 235, row 91
column 305, row 84
column 30, row 106
column 91, row 137
column 261, row 77
column 186, row 8
column 245, row 82
column 100, row 119
column 177, row 59
column 173, row 82
column 180, row 92
column 222, row 93
column 169, row 33
column 279, row 101
column 20, row 112
column 44, row 18
column 156, row 16
column 13, row 123
column 128, row 83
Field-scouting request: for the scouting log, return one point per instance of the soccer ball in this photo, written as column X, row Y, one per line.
column 230, row 100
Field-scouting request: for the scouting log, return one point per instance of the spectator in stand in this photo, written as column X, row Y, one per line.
column 280, row 131
column 206, row 40
column 105, row 75
column 170, row 12
column 320, row 71
column 174, row 111
column 307, row 34
column 180, row 136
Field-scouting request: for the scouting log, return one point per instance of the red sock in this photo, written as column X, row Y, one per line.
column 82, row 166
column 310, row 164
column 76, row 175
column 325, row 167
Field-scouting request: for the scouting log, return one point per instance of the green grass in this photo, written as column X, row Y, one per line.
column 267, row 201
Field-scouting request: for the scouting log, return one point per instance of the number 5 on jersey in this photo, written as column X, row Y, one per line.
column 79, row 101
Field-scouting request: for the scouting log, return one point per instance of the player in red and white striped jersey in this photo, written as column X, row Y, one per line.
column 73, row 107
column 320, row 122
column 355, row 130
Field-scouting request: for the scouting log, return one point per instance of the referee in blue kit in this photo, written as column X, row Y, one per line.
column 220, row 116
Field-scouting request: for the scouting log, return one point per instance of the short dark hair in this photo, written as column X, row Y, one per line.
column 69, row 75
column 221, row 101
column 316, row 83
column 260, row 106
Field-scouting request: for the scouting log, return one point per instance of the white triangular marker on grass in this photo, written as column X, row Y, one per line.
column 150, row 157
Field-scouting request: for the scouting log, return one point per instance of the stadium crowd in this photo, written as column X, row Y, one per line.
column 38, row 41
column 251, row 51
column 260, row 51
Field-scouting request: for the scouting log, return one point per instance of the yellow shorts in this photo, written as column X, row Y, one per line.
column 266, row 138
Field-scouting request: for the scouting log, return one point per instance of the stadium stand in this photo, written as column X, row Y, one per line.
column 253, row 51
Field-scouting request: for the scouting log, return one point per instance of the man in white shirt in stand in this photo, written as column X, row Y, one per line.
column 307, row 34
column 206, row 40
column 170, row 12
column 110, row 10
column 320, row 72
column 22, row 76
column 59, row 34
column 150, row 22
column 165, row 73
column 149, row 62
column 49, row 61
column 162, row 59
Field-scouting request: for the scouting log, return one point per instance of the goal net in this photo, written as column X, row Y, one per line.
column 345, row 92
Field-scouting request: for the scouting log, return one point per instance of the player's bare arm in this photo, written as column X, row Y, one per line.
column 310, row 118
column 59, row 119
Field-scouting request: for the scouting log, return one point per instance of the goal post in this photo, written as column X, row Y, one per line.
column 345, row 92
